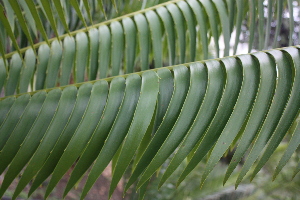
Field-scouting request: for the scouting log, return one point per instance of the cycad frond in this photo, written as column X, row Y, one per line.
column 248, row 101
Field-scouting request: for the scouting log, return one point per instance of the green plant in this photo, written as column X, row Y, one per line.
column 139, row 118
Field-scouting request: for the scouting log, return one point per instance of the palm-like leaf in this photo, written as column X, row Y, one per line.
column 192, row 108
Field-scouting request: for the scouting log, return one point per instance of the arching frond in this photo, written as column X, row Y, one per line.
column 138, row 116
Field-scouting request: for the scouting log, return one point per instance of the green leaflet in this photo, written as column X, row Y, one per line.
column 13, row 143
column 93, row 58
column 141, row 120
column 210, row 10
column 75, row 4
column 27, row 71
column 78, row 141
column 53, row 64
column 180, row 30
column 37, row 19
column 156, row 35
column 5, row 106
column 144, row 39
column 81, row 60
column 294, row 142
column 198, row 82
column 199, row 14
column 130, row 44
column 47, row 9
column 204, row 116
column 61, row 13
column 117, row 47
column 240, row 11
column 181, row 84
column 83, row 96
column 88, row 10
column 100, row 3
column 47, row 143
column 243, row 106
column 233, row 73
column 292, row 146
column 28, row 16
column 104, row 51
column 32, row 139
column 14, row 74
column 20, row 17
column 96, row 142
column 166, row 18
column 117, row 132
column 68, row 59
column 166, row 87
column 290, row 112
column 2, row 73
column 42, row 60
column 12, row 117
column 10, row 15
column 277, row 105
column 224, row 22
column 196, row 109
column 257, row 115
column 189, row 19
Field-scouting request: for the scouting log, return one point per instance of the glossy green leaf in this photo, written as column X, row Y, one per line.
column 78, row 141
column 203, row 118
column 242, row 107
column 68, row 59
column 26, row 74
column 141, row 120
column 143, row 35
column 179, row 26
column 189, row 19
column 117, row 47
column 130, row 43
column 53, row 64
column 166, row 18
column 13, row 144
column 83, row 96
column 117, row 132
column 199, row 14
column 32, row 139
column 278, row 103
column 42, row 60
column 181, row 84
column 104, row 50
column 82, row 53
column 96, row 142
column 198, row 83
column 156, row 35
column 230, row 93
column 14, row 74
column 259, row 110
column 47, row 143
column 290, row 111
column 94, row 51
